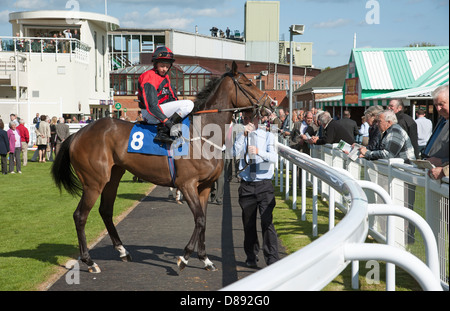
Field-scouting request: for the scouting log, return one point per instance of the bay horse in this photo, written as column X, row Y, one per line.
column 92, row 162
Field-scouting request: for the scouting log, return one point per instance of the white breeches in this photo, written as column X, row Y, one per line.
column 182, row 107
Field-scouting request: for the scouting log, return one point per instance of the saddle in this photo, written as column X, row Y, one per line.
column 142, row 137
column 142, row 140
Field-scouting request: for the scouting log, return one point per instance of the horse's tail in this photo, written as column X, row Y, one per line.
column 62, row 171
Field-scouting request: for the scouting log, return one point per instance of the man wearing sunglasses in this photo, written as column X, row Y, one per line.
column 157, row 99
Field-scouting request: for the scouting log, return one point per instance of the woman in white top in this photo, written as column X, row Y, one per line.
column 364, row 131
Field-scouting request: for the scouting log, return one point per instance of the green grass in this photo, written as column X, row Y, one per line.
column 37, row 229
column 295, row 234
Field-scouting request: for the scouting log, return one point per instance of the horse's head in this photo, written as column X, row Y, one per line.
column 249, row 95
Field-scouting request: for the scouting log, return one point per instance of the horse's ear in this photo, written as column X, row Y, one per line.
column 234, row 68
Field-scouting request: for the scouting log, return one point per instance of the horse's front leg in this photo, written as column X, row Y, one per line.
column 197, row 203
column 201, row 248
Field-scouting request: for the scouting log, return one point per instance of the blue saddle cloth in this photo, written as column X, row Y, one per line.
column 142, row 141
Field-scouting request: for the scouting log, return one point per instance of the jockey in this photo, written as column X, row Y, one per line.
column 157, row 99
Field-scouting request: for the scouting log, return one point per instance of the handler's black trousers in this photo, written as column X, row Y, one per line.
column 254, row 196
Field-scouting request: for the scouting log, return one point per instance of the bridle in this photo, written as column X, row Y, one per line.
column 257, row 104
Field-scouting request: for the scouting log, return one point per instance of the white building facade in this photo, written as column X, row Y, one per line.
column 43, row 70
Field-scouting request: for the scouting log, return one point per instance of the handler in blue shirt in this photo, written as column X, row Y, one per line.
column 255, row 147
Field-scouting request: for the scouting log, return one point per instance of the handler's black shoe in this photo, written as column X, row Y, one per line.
column 251, row 263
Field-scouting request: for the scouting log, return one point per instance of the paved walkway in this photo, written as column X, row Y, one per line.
column 155, row 233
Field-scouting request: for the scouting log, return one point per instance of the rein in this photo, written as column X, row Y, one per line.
column 235, row 110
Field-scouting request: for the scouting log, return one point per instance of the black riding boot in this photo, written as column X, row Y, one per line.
column 163, row 135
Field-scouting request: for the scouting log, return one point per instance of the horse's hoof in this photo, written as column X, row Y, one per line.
column 211, row 267
column 182, row 263
column 124, row 254
column 94, row 268
column 126, row 258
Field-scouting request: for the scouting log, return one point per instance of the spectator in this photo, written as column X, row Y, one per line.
column 76, row 35
column 395, row 142
column 299, row 139
column 214, row 31
column 217, row 188
column 13, row 118
column 14, row 148
column 439, row 172
column 53, row 123
column 349, row 125
column 316, row 126
column 424, row 129
column 274, row 120
column 374, row 132
column 4, row 147
column 68, row 36
column 301, row 115
column 24, row 140
column 36, row 119
column 284, row 117
column 364, row 131
column 174, row 193
column 42, row 138
column 62, row 132
column 294, row 120
column 333, row 132
column 406, row 122
column 309, row 130
column 281, row 116
column 436, row 150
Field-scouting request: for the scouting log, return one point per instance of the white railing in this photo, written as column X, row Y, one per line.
column 317, row 264
column 46, row 46
column 406, row 186
column 73, row 128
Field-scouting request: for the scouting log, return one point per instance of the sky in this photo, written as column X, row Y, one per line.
column 329, row 24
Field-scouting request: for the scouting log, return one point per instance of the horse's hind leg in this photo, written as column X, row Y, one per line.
column 106, row 210
column 80, row 217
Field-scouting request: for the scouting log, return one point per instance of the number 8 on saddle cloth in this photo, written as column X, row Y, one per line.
column 142, row 136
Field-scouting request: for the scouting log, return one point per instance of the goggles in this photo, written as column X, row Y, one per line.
column 165, row 55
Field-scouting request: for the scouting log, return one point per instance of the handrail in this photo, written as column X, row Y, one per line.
column 317, row 264
column 45, row 46
column 399, row 180
column 24, row 44
column 314, row 266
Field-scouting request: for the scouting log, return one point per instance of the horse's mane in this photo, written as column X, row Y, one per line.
column 206, row 92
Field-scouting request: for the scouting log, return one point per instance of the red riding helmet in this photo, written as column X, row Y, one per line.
column 163, row 54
